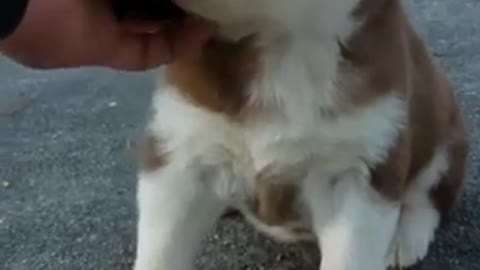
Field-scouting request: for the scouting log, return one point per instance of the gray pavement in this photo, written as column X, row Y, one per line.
column 67, row 182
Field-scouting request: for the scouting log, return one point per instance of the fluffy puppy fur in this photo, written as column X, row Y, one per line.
column 320, row 120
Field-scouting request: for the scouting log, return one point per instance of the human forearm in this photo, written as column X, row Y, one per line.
column 73, row 33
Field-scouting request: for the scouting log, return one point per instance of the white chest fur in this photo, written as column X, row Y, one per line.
column 298, row 84
column 334, row 142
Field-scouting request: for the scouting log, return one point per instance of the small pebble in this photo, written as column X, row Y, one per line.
column 226, row 243
column 112, row 104
column 6, row 184
column 280, row 257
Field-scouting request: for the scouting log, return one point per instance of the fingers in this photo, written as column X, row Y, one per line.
column 141, row 27
column 183, row 37
column 142, row 52
column 157, row 51
column 191, row 37
column 157, row 45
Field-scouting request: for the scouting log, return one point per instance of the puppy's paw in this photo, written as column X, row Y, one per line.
column 412, row 240
column 406, row 254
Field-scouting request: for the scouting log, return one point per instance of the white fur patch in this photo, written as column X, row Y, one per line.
column 322, row 18
column 334, row 144
column 177, row 208
column 419, row 218
column 281, row 233
column 353, row 223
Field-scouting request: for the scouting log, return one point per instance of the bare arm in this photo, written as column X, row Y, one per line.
column 72, row 33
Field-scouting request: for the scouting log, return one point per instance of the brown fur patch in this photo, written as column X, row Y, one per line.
column 368, row 8
column 390, row 56
column 390, row 177
column 445, row 195
column 217, row 77
column 275, row 198
column 375, row 57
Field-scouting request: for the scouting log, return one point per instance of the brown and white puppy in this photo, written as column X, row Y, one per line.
column 321, row 120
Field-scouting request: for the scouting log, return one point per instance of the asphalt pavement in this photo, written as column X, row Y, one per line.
column 67, row 181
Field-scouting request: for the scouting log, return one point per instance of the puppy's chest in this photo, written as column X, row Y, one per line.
column 333, row 143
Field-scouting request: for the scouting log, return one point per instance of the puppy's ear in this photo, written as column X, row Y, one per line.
column 147, row 10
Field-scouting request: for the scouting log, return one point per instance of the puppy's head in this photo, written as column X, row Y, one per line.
column 279, row 15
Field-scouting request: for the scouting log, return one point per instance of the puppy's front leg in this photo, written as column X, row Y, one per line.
column 177, row 207
column 354, row 225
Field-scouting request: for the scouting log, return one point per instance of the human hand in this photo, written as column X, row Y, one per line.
column 72, row 33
